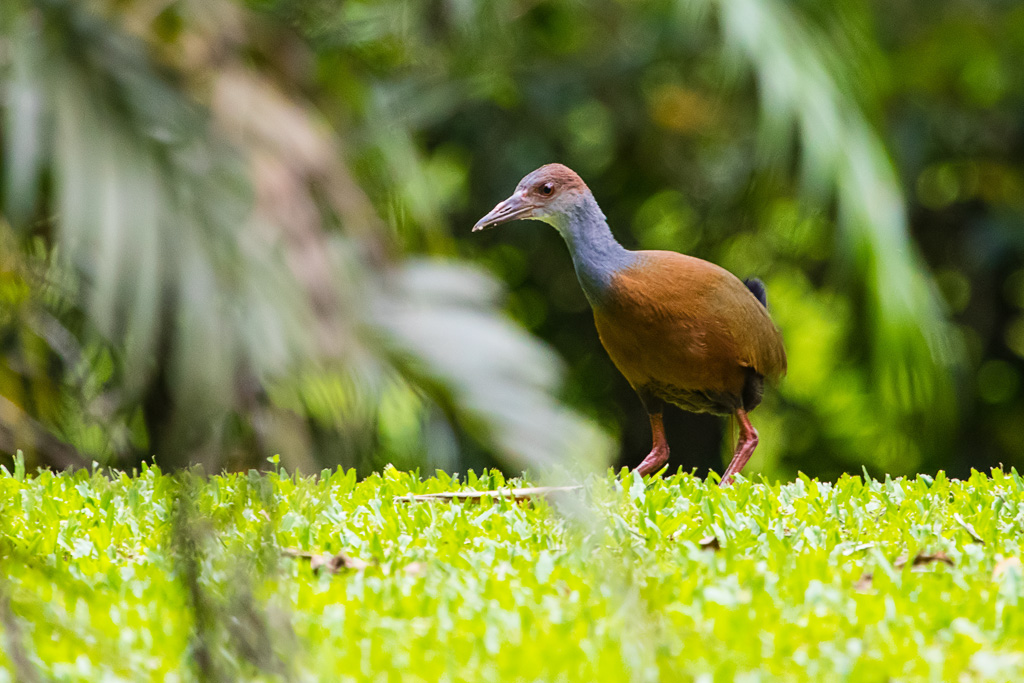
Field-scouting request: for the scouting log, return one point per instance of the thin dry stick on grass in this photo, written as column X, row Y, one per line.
column 477, row 496
column 332, row 563
column 918, row 563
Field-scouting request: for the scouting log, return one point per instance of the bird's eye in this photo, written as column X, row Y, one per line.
column 546, row 189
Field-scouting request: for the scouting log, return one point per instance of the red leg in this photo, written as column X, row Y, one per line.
column 744, row 449
column 658, row 456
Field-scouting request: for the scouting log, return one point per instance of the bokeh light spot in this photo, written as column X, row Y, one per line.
column 680, row 109
column 666, row 221
column 997, row 381
column 955, row 288
column 591, row 135
column 1014, row 336
column 938, row 186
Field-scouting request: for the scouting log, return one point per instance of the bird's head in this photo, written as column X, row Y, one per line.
column 548, row 194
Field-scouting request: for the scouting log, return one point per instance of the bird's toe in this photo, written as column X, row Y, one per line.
column 654, row 461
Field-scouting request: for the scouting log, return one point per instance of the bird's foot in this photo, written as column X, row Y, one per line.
column 738, row 461
column 744, row 449
column 654, row 461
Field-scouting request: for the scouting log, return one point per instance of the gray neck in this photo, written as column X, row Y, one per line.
column 596, row 254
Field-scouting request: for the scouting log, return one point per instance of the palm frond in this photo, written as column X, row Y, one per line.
column 842, row 156
column 200, row 235
column 441, row 328
column 155, row 213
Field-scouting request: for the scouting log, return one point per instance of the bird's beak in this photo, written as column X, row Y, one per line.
column 516, row 206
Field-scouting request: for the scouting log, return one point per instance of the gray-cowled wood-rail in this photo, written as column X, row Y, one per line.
column 680, row 329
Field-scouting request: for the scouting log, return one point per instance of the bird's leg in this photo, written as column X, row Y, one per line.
column 744, row 449
column 659, row 453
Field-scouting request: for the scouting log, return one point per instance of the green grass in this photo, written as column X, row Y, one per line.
column 97, row 570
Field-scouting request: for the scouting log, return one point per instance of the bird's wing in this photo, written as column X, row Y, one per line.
column 683, row 290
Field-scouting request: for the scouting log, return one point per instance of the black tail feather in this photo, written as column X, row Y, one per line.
column 757, row 288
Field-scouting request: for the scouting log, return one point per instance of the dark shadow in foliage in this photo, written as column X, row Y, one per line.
column 227, row 619
column 26, row 432
column 14, row 638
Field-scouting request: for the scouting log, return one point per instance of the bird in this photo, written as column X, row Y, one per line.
column 680, row 329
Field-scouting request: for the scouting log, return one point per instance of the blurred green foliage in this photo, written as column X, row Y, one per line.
column 797, row 142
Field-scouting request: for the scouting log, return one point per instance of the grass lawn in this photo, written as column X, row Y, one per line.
column 113, row 577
